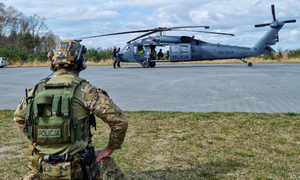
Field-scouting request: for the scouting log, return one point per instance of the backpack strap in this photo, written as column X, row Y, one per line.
column 56, row 105
column 79, row 80
column 31, row 109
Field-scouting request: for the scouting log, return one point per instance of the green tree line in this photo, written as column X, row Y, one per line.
column 98, row 54
column 279, row 55
column 27, row 39
column 24, row 38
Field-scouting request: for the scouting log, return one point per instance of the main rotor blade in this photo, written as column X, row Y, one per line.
column 208, row 32
column 149, row 31
column 159, row 29
column 205, row 27
column 140, row 36
column 119, row 33
column 273, row 12
column 290, row 21
column 262, row 25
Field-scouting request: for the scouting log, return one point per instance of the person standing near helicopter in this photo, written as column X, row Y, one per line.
column 114, row 57
column 118, row 57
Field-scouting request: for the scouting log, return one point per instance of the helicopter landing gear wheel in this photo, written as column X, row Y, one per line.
column 249, row 64
column 145, row 64
column 152, row 64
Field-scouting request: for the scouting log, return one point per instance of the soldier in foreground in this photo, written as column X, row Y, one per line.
column 57, row 116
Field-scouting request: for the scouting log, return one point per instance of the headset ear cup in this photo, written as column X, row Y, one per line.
column 83, row 66
column 50, row 56
column 79, row 58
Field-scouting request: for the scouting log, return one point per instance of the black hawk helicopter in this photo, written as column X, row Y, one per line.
column 185, row 48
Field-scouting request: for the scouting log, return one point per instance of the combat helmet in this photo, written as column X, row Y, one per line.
column 70, row 54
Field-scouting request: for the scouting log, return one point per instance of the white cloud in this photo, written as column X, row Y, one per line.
column 294, row 34
column 80, row 18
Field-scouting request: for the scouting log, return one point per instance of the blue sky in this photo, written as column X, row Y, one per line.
column 81, row 18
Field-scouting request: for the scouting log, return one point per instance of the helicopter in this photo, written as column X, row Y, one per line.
column 185, row 48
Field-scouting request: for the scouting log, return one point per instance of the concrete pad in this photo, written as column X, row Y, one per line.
column 268, row 88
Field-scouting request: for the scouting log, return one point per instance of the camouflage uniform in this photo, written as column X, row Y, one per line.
column 167, row 56
column 153, row 54
column 94, row 100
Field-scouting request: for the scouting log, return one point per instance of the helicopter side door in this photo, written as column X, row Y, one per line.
column 180, row 52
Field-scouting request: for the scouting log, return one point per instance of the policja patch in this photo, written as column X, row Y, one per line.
column 49, row 133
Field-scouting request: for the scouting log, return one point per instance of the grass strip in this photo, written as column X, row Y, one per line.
column 182, row 145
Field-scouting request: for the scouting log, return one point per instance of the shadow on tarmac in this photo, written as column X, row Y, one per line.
column 185, row 66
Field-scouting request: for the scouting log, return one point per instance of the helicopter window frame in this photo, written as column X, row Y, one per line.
column 126, row 49
column 135, row 50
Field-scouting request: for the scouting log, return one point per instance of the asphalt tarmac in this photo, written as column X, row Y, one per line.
column 268, row 88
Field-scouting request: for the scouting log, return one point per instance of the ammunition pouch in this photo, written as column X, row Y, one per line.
column 61, row 167
column 59, row 170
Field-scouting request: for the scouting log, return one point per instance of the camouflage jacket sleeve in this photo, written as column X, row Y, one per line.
column 97, row 101
column 20, row 113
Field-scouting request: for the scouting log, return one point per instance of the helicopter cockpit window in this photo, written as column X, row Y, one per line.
column 126, row 49
column 64, row 45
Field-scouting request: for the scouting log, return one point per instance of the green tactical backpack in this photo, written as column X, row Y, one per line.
column 49, row 117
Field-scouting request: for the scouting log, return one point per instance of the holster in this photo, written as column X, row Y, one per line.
column 88, row 164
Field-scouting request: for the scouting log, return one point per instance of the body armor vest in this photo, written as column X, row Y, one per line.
column 49, row 117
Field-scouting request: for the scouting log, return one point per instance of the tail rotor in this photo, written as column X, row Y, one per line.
column 275, row 22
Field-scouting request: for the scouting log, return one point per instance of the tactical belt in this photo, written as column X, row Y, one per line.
column 37, row 158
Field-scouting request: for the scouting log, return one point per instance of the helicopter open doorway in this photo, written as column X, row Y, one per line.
column 174, row 53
